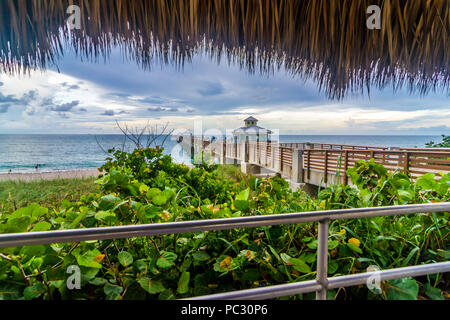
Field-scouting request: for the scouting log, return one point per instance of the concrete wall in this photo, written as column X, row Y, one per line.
column 317, row 178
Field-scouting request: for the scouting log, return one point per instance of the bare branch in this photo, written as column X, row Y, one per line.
column 98, row 143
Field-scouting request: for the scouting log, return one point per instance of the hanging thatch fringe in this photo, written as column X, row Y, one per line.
column 321, row 39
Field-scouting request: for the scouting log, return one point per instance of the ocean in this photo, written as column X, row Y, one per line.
column 21, row 153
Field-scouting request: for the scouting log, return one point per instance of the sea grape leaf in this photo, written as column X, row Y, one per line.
column 34, row 291
column 168, row 193
column 166, row 260
column 98, row 281
column 151, row 211
column 306, row 239
column 444, row 254
column 33, row 211
column 444, row 185
column 426, row 182
column 332, row 266
column 400, row 181
column 143, row 188
column 285, row 257
column 108, row 202
column 432, row 292
column 405, row 195
column 312, row 244
column 112, row 291
column 88, row 259
column 153, row 192
column 159, row 200
column 201, row 256
column 332, row 244
column 354, row 248
column 33, row 251
column 402, row 289
column 42, row 226
column 183, row 283
column 151, row 286
column 81, row 215
column 102, row 215
column 300, row 265
column 19, row 224
column 141, row 265
column 88, row 274
column 243, row 195
column 308, row 257
column 241, row 205
column 125, row 258
column 166, row 295
column 86, row 262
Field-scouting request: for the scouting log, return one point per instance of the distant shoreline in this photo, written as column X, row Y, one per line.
column 33, row 176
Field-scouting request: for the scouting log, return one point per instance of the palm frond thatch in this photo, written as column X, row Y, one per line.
column 325, row 40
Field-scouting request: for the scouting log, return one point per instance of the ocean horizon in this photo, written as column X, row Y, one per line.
column 20, row 153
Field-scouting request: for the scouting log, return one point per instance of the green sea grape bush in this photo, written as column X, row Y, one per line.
column 375, row 186
column 444, row 144
column 145, row 186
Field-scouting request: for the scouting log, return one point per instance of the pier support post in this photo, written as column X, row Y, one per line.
column 235, row 151
column 246, row 150
column 192, row 149
column 297, row 166
column 223, row 155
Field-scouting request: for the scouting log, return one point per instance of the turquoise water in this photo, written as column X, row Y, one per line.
column 21, row 153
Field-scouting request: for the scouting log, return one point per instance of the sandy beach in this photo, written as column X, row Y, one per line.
column 32, row 176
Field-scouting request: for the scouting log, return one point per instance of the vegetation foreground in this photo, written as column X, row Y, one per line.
column 147, row 187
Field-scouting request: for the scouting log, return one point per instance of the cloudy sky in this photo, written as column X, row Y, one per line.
column 85, row 97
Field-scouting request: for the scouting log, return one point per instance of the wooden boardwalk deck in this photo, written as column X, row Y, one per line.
column 320, row 163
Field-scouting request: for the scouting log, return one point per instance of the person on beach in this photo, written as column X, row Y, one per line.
column 37, row 167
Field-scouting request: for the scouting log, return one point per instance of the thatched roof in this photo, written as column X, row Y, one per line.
column 324, row 40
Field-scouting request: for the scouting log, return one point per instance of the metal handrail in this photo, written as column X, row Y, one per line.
column 289, row 289
column 320, row 285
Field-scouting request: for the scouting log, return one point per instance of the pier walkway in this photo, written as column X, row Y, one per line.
column 319, row 164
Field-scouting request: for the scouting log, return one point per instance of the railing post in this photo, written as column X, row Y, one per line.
column 309, row 165
column 406, row 161
column 235, row 151
column 297, row 166
column 345, row 168
column 322, row 260
column 272, row 150
column 326, row 167
column 246, row 154
column 192, row 149
column 223, row 157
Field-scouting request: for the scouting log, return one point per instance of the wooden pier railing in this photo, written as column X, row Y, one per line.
column 416, row 163
column 323, row 146
column 299, row 162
